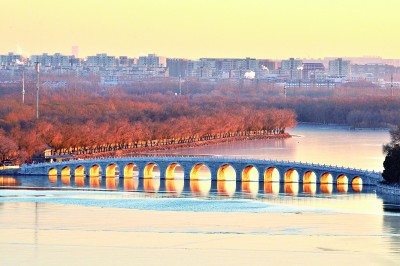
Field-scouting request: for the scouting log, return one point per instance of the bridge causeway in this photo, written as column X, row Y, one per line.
column 219, row 169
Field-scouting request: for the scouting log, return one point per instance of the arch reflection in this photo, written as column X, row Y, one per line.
column 291, row 188
column 65, row 179
column 8, row 181
column 94, row 181
column 80, row 181
column 53, row 179
column 111, row 183
column 131, row 183
column 310, row 188
column 271, row 187
column 326, row 188
column 226, row 187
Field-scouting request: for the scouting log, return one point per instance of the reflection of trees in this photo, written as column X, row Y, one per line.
column 391, row 225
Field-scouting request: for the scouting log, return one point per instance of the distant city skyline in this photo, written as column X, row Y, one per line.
column 207, row 28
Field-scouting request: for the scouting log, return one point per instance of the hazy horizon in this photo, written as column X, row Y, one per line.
column 193, row 29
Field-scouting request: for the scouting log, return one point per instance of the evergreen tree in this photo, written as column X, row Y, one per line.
column 391, row 172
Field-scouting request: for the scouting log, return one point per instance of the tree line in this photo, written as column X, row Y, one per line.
column 88, row 122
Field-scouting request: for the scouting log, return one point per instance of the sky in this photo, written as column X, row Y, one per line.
column 192, row 29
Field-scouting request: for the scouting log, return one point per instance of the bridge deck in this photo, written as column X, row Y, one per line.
column 216, row 165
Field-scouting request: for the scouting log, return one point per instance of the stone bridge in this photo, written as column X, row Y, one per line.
column 214, row 168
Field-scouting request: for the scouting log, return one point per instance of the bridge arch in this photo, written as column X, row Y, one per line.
column 291, row 176
column 309, row 177
column 326, row 178
column 80, row 171
column 250, row 173
column 271, row 174
column 250, row 178
column 95, row 170
column 226, row 172
column 65, row 171
column 130, row 169
column 342, row 179
column 52, row 172
column 174, row 170
column 357, row 183
column 200, row 171
column 112, row 170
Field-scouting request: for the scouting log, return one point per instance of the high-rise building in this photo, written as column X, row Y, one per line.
column 291, row 68
column 312, row 70
column 340, row 68
column 152, row 60
column 101, row 60
column 177, row 67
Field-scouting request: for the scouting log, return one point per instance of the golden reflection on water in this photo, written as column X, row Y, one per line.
column 66, row 179
column 200, row 187
column 111, row 183
column 250, row 187
column 174, row 186
column 292, row 188
column 326, row 188
column 271, row 187
column 8, row 181
column 94, row 181
column 131, row 183
column 342, row 187
column 80, row 181
column 356, row 187
column 226, row 188
column 53, row 179
column 310, row 188
column 151, row 184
